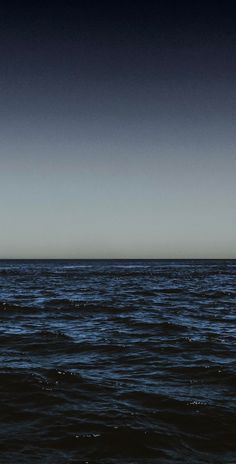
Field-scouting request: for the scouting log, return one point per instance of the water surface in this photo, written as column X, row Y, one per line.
column 117, row 362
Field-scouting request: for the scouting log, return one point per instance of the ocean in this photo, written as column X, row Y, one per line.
column 118, row 361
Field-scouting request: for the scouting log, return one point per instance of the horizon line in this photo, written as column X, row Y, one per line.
column 118, row 259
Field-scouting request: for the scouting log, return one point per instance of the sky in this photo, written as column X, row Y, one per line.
column 117, row 129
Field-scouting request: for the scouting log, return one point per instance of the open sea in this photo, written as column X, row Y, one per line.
column 118, row 361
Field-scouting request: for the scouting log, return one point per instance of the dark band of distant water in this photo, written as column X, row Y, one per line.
column 118, row 362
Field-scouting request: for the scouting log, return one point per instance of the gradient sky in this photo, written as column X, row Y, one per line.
column 118, row 131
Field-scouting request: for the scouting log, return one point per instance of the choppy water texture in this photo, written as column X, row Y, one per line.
column 117, row 362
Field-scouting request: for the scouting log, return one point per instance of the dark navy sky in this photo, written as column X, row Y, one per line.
column 117, row 130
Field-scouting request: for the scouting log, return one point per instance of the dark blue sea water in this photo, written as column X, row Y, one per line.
column 118, row 362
